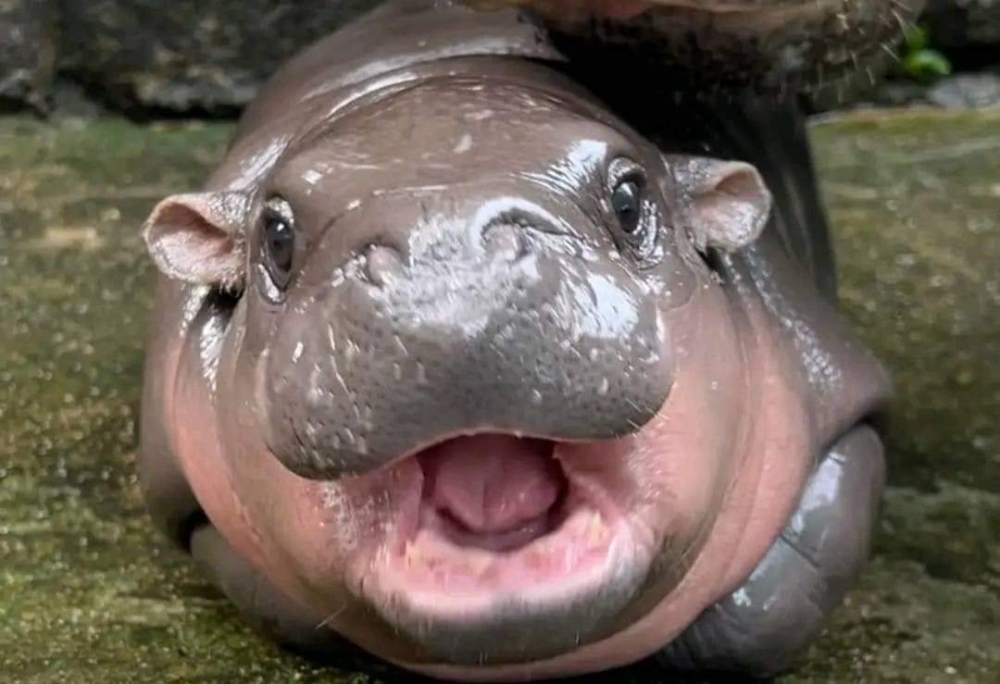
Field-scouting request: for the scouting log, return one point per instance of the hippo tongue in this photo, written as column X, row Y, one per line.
column 491, row 483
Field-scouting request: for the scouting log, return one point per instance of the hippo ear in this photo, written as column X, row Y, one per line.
column 729, row 202
column 199, row 237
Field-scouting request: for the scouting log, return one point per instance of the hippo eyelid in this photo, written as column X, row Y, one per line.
column 274, row 277
column 644, row 242
column 279, row 206
column 623, row 169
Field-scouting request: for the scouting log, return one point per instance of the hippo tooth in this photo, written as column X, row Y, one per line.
column 479, row 563
column 412, row 554
column 595, row 528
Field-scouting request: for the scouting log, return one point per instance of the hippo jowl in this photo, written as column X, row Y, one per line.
column 451, row 362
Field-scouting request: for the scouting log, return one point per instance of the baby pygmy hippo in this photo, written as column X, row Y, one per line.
column 454, row 365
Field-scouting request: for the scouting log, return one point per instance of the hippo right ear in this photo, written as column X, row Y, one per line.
column 199, row 238
column 729, row 203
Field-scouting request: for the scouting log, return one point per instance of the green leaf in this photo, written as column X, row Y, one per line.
column 926, row 64
column 916, row 39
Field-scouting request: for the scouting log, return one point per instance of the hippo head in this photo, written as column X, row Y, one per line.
column 479, row 393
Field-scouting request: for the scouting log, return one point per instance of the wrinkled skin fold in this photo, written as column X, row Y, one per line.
column 460, row 362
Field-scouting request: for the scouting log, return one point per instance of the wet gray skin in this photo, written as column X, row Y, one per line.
column 418, row 232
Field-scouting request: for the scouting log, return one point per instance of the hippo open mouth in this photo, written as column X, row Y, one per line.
column 492, row 492
column 508, row 525
column 506, row 510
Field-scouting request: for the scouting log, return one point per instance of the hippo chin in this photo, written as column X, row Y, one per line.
column 454, row 364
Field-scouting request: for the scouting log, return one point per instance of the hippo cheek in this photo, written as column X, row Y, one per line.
column 685, row 461
column 315, row 540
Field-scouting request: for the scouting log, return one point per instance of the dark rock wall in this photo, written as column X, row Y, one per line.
column 209, row 56
column 964, row 24
column 28, row 50
column 201, row 56
column 188, row 54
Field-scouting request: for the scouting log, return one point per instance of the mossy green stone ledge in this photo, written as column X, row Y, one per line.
column 90, row 594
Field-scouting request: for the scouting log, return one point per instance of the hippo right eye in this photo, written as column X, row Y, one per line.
column 631, row 208
column 278, row 242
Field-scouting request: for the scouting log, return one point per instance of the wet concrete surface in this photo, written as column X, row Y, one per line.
column 90, row 593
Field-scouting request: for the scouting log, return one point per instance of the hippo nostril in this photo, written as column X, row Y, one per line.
column 382, row 264
column 505, row 240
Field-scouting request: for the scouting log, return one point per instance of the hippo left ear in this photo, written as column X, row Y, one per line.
column 199, row 237
column 729, row 204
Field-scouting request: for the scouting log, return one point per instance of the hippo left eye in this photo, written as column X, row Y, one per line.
column 626, row 201
column 278, row 242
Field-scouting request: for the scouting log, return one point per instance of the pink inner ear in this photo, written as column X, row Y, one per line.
column 191, row 238
column 733, row 212
column 741, row 185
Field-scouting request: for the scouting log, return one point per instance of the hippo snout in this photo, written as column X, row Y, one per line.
column 496, row 319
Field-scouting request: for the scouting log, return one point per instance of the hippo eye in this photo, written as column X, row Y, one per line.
column 631, row 200
column 278, row 242
column 626, row 202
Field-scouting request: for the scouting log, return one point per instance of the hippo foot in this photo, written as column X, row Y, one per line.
column 263, row 605
column 761, row 627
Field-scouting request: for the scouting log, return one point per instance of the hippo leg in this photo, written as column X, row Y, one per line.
column 262, row 605
column 762, row 626
column 177, row 512
column 169, row 498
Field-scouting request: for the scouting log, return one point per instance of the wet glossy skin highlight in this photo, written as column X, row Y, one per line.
column 466, row 263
